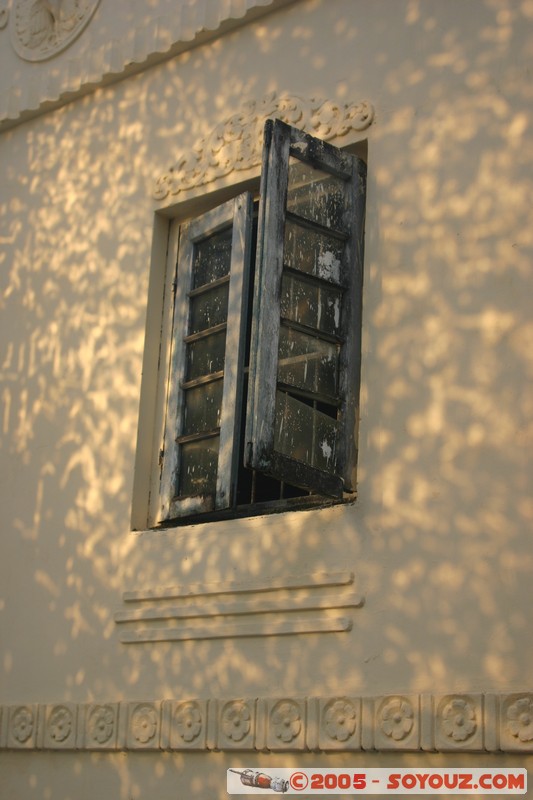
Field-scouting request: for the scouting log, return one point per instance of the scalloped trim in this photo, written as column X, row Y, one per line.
column 162, row 37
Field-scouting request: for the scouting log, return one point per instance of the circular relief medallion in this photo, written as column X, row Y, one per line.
column 22, row 723
column 286, row 721
column 188, row 721
column 4, row 16
column 60, row 723
column 42, row 28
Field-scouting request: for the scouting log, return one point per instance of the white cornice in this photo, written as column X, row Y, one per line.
column 97, row 62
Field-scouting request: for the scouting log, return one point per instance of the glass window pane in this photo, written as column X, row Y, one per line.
column 212, row 258
column 305, row 434
column 198, row 467
column 311, row 304
column 202, row 408
column 312, row 252
column 315, row 195
column 308, row 363
column 209, row 308
column 206, row 355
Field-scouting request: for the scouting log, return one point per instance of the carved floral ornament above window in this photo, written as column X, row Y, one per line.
column 236, row 144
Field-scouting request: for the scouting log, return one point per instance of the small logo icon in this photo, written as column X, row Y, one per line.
column 260, row 780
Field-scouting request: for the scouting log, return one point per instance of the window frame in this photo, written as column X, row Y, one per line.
column 237, row 214
column 281, row 141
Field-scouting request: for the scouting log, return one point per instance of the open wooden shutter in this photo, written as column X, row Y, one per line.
column 305, row 345
column 208, row 343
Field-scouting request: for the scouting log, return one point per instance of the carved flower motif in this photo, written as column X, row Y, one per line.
column 188, row 721
column 340, row 720
column 101, row 723
column 144, row 723
column 286, row 721
column 397, row 719
column 22, row 724
column 520, row 719
column 459, row 719
column 358, row 116
column 231, row 131
column 291, row 109
column 330, row 118
column 236, row 720
column 60, row 724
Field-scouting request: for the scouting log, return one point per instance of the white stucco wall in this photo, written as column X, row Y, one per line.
column 439, row 538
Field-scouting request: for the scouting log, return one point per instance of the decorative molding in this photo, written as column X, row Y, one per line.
column 274, row 607
column 144, row 726
column 186, row 725
column 341, row 720
column 270, row 584
column 42, row 28
column 236, row 144
column 236, row 724
column 101, row 726
column 238, row 630
column 286, row 724
column 59, row 731
column 401, row 723
column 396, row 723
column 22, row 726
column 458, row 722
column 240, row 607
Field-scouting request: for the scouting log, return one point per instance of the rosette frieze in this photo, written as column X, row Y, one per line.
column 400, row 722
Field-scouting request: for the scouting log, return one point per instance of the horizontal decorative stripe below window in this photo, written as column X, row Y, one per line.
column 237, row 630
column 290, row 605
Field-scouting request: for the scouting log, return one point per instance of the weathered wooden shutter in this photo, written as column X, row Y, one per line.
column 208, row 342
column 305, row 346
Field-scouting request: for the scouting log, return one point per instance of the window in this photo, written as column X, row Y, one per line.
column 264, row 374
